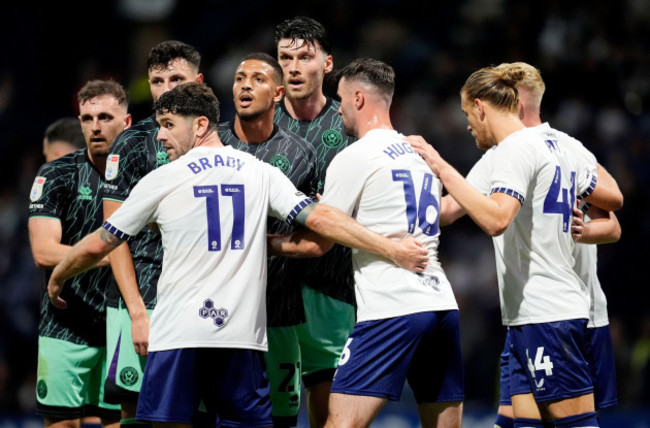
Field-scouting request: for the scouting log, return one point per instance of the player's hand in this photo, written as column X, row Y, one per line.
column 411, row 255
column 428, row 153
column 140, row 334
column 578, row 225
column 54, row 289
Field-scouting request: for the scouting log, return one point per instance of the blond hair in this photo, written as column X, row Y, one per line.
column 532, row 81
column 496, row 85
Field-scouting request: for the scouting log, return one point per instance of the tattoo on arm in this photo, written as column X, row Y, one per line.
column 109, row 238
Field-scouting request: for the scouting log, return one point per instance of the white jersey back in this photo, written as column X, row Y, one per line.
column 211, row 207
column 537, row 282
column 387, row 187
column 585, row 255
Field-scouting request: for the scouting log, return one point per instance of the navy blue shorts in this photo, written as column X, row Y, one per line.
column 600, row 355
column 423, row 348
column 549, row 360
column 231, row 382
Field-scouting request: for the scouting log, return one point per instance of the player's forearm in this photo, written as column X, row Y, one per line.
column 48, row 254
column 486, row 213
column 124, row 274
column 601, row 231
column 301, row 244
column 81, row 257
column 342, row 229
column 450, row 210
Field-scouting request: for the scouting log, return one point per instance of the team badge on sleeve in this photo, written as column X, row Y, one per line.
column 37, row 189
column 112, row 166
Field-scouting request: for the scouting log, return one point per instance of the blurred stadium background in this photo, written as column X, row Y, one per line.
column 594, row 56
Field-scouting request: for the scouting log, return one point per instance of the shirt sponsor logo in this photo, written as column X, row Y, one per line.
column 430, row 281
column 161, row 158
column 332, row 138
column 218, row 316
column 37, row 189
column 85, row 194
column 112, row 167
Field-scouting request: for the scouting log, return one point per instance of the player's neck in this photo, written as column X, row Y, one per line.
column 504, row 125
column 306, row 109
column 211, row 139
column 98, row 161
column 372, row 121
column 253, row 131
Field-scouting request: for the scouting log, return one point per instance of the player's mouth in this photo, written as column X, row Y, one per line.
column 98, row 140
column 245, row 100
column 296, row 83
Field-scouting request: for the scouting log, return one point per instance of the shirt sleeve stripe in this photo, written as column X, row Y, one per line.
column 294, row 212
column 508, row 192
column 592, row 185
column 115, row 231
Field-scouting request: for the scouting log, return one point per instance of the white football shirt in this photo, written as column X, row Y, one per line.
column 388, row 188
column 537, row 282
column 586, row 256
column 211, row 207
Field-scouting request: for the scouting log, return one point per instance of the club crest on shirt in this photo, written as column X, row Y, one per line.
column 112, row 166
column 281, row 162
column 37, row 189
column 332, row 138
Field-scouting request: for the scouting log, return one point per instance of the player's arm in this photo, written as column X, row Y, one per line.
column 450, row 210
column 124, row 273
column 45, row 240
column 606, row 194
column 336, row 226
column 81, row 257
column 493, row 214
column 602, row 228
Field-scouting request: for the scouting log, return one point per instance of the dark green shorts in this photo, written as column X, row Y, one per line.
column 309, row 351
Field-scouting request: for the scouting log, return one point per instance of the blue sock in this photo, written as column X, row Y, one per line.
column 583, row 420
column 528, row 423
column 504, row 422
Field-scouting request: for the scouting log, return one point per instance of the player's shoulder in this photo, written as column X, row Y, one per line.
column 283, row 134
column 227, row 135
column 136, row 134
column 64, row 165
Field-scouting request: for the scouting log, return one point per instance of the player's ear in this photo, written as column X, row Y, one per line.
column 278, row 94
column 200, row 126
column 199, row 78
column 128, row 120
column 329, row 64
column 359, row 99
column 480, row 107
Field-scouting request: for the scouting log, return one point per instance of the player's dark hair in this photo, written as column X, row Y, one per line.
column 96, row 88
column 66, row 129
column 191, row 100
column 373, row 72
column 498, row 85
column 268, row 59
column 305, row 28
column 165, row 52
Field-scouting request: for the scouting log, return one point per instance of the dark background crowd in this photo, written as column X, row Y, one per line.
column 594, row 57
